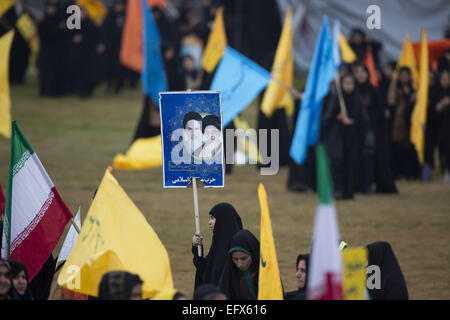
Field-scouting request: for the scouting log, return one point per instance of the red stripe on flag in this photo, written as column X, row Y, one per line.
column 332, row 290
column 35, row 249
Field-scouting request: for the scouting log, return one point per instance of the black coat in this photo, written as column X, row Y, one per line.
column 373, row 104
column 228, row 223
column 393, row 283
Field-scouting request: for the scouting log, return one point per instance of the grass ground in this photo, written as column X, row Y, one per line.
column 77, row 139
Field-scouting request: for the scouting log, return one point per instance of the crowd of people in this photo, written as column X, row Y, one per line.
column 229, row 271
column 368, row 143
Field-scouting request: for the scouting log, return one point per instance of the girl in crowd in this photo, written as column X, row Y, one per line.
column 401, row 100
column 239, row 280
column 343, row 133
column 20, row 282
column 6, row 287
column 375, row 163
column 224, row 222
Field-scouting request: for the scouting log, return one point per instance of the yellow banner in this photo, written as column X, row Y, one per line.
column 347, row 53
column 144, row 153
column 5, row 98
column 354, row 273
column 269, row 285
column 95, row 9
column 419, row 114
column 29, row 32
column 407, row 59
column 5, row 5
column 215, row 47
column 116, row 236
column 275, row 95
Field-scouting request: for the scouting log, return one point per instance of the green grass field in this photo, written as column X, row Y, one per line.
column 76, row 141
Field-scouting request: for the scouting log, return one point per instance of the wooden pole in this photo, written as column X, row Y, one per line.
column 197, row 218
column 340, row 96
column 292, row 91
column 75, row 225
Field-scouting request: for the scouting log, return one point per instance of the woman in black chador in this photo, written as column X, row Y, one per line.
column 224, row 222
column 401, row 100
column 440, row 106
column 344, row 134
column 392, row 285
column 239, row 280
column 375, row 161
column 52, row 52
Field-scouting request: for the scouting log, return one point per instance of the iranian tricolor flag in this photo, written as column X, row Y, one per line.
column 325, row 269
column 35, row 215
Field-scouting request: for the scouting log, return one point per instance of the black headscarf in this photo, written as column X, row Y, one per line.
column 299, row 294
column 16, row 268
column 228, row 222
column 117, row 285
column 393, row 284
column 230, row 281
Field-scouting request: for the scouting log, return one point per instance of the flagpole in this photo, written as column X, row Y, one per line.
column 197, row 218
column 75, row 225
column 340, row 96
column 292, row 90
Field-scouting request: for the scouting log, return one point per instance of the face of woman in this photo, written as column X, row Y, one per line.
column 348, row 85
column 211, row 222
column 136, row 292
column 5, row 282
column 301, row 274
column 20, row 282
column 404, row 76
column 241, row 260
column 444, row 80
column 361, row 74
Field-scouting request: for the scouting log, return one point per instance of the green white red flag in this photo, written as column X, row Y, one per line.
column 325, row 270
column 35, row 214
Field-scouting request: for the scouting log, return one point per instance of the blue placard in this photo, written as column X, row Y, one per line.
column 192, row 139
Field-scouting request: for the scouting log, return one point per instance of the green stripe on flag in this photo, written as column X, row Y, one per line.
column 21, row 150
column 324, row 182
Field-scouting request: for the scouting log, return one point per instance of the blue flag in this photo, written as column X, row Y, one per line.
column 336, row 48
column 321, row 73
column 153, row 75
column 239, row 81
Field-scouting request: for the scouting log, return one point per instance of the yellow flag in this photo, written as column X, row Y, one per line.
column 407, row 59
column 144, row 153
column 116, row 236
column 354, row 273
column 347, row 53
column 5, row 99
column 5, row 5
column 215, row 47
column 283, row 70
column 419, row 114
column 269, row 287
column 95, row 9
column 29, row 32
